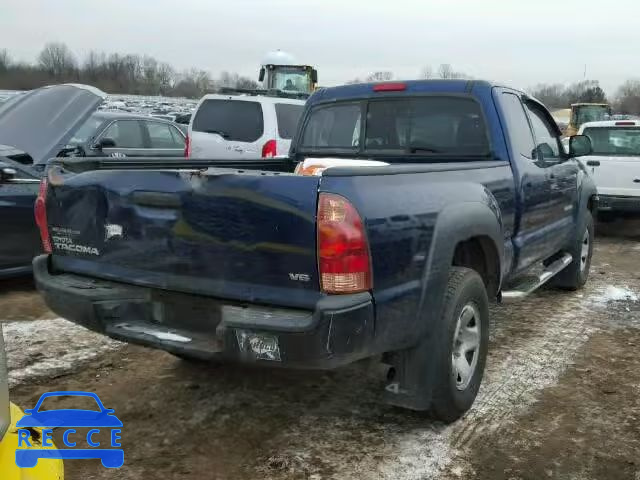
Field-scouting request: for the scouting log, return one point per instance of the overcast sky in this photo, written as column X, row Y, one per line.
column 517, row 42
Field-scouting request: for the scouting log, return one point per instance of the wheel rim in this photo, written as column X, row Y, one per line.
column 584, row 252
column 466, row 346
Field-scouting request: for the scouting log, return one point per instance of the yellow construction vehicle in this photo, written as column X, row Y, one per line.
column 282, row 73
column 586, row 112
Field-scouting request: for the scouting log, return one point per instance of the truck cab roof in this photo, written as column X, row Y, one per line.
column 366, row 90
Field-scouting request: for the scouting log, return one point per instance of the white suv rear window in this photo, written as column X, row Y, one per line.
column 238, row 121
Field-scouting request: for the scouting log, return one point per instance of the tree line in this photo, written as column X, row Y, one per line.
column 144, row 75
column 555, row 96
column 113, row 73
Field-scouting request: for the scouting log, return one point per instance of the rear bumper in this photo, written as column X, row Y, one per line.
column 339, row 331
column 611, row 203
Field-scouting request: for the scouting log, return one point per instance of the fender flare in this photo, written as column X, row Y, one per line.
column 455, row 223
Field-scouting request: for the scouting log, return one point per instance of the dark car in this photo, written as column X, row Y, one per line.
column 61, row 121
column 117, row 134
column 34, row 127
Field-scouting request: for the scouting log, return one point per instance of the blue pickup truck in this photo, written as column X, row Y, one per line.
column 477, row 202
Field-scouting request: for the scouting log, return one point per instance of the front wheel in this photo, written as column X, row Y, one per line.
column 462, row 353
column 576, row 274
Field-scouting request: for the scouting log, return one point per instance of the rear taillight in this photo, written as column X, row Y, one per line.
column 40, row 211
column 187, row 147
column 343, row 251
column 269, row 149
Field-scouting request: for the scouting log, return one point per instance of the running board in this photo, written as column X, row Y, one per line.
column 531, row 283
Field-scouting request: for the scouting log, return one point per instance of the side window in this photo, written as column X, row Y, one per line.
column 161, row 136
column 519, row 129
column 547, row 141
column 126, row 134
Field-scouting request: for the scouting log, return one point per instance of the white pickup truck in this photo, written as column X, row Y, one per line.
column 614, row 165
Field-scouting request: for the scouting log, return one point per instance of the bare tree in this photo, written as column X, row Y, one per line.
column 56, row 59
column 247, row 83
column 628, row 97
column 427, row 72
column 553, row 96
column 5, row 60
column 380, row 76
column 445, row 71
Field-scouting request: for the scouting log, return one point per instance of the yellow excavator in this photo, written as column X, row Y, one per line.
column 586, row 112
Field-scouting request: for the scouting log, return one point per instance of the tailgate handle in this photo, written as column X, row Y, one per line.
column 593, row 163
column 156, row 199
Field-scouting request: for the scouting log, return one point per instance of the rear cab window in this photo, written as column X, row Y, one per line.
column 435, row 126
column 234, row 120
column 288, row 116
column 614, row 141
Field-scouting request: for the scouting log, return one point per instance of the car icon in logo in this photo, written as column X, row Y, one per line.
column 69, row 419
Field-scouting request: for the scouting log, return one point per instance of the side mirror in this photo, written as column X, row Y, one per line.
column 105, row 142
column 261, row 75
column 7, row 174
column 314, row 75
column 580, row 145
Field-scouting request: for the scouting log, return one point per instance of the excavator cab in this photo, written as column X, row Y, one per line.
column 280, row 72
column 289, row 78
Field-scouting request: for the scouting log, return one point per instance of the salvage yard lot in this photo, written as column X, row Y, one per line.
column 560, row 399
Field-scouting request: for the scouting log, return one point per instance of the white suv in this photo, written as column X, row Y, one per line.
column 242, row 126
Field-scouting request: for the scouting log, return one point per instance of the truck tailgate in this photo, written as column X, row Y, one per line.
column 243, row 235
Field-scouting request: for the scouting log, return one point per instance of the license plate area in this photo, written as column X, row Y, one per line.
column 184, row 311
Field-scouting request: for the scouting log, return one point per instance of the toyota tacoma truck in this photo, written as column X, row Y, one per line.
column 476, row 201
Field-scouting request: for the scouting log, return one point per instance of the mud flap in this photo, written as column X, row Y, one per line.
column 409, row 384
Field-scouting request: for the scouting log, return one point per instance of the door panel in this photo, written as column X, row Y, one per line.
column 533, row 188
column 20, row 239
column 562, row 177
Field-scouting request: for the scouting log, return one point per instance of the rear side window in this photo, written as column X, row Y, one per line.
column 234, row 120
column 126, row 134
column 163, row 135
column 519, row 129
column 288, row 116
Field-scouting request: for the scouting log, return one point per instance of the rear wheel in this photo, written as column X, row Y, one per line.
column 462, row 353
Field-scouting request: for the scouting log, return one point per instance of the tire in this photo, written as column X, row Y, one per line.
column 576, row 274
column 453, row 391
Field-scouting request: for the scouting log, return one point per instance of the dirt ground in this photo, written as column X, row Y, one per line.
column 560, row 399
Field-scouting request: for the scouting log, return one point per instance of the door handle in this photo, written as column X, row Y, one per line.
column 593, row 163
column 636, row 180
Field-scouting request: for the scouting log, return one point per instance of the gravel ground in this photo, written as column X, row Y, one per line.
column 560, row 399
